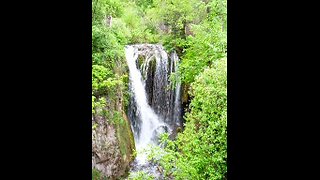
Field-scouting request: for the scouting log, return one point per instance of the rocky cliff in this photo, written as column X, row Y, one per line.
column 112, row 138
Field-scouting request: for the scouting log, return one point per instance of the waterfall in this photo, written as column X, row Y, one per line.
column 154, row 108
column 177, row 101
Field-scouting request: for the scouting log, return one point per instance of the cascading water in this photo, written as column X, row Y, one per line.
column 177, row 101
column 149, row 120
column 154, row 108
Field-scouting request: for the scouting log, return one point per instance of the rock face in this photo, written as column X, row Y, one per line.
column 105, row 149
column 112, row 147
column 112, row 137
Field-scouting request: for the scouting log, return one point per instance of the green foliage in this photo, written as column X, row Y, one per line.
column 94, row 126
column 200, row 151
column 140, row 175
column 117, row 118
column 96, row 175
column 170, row 18
column 140, row 28
column 207, row 120
column 108, row 78
column 144, row 4
column 102, row 79
column 93, row 104
column 103, row 8
column 107, row 45
column 176, row 13
column 209, row 43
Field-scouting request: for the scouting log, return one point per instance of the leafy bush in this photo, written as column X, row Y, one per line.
column 109, row 78
column 140, row 175
column 208, row 44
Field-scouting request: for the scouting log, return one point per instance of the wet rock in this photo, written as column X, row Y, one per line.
column 157, row 133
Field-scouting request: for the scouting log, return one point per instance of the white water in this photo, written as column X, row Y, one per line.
column 177, row 100
column 150, row 121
